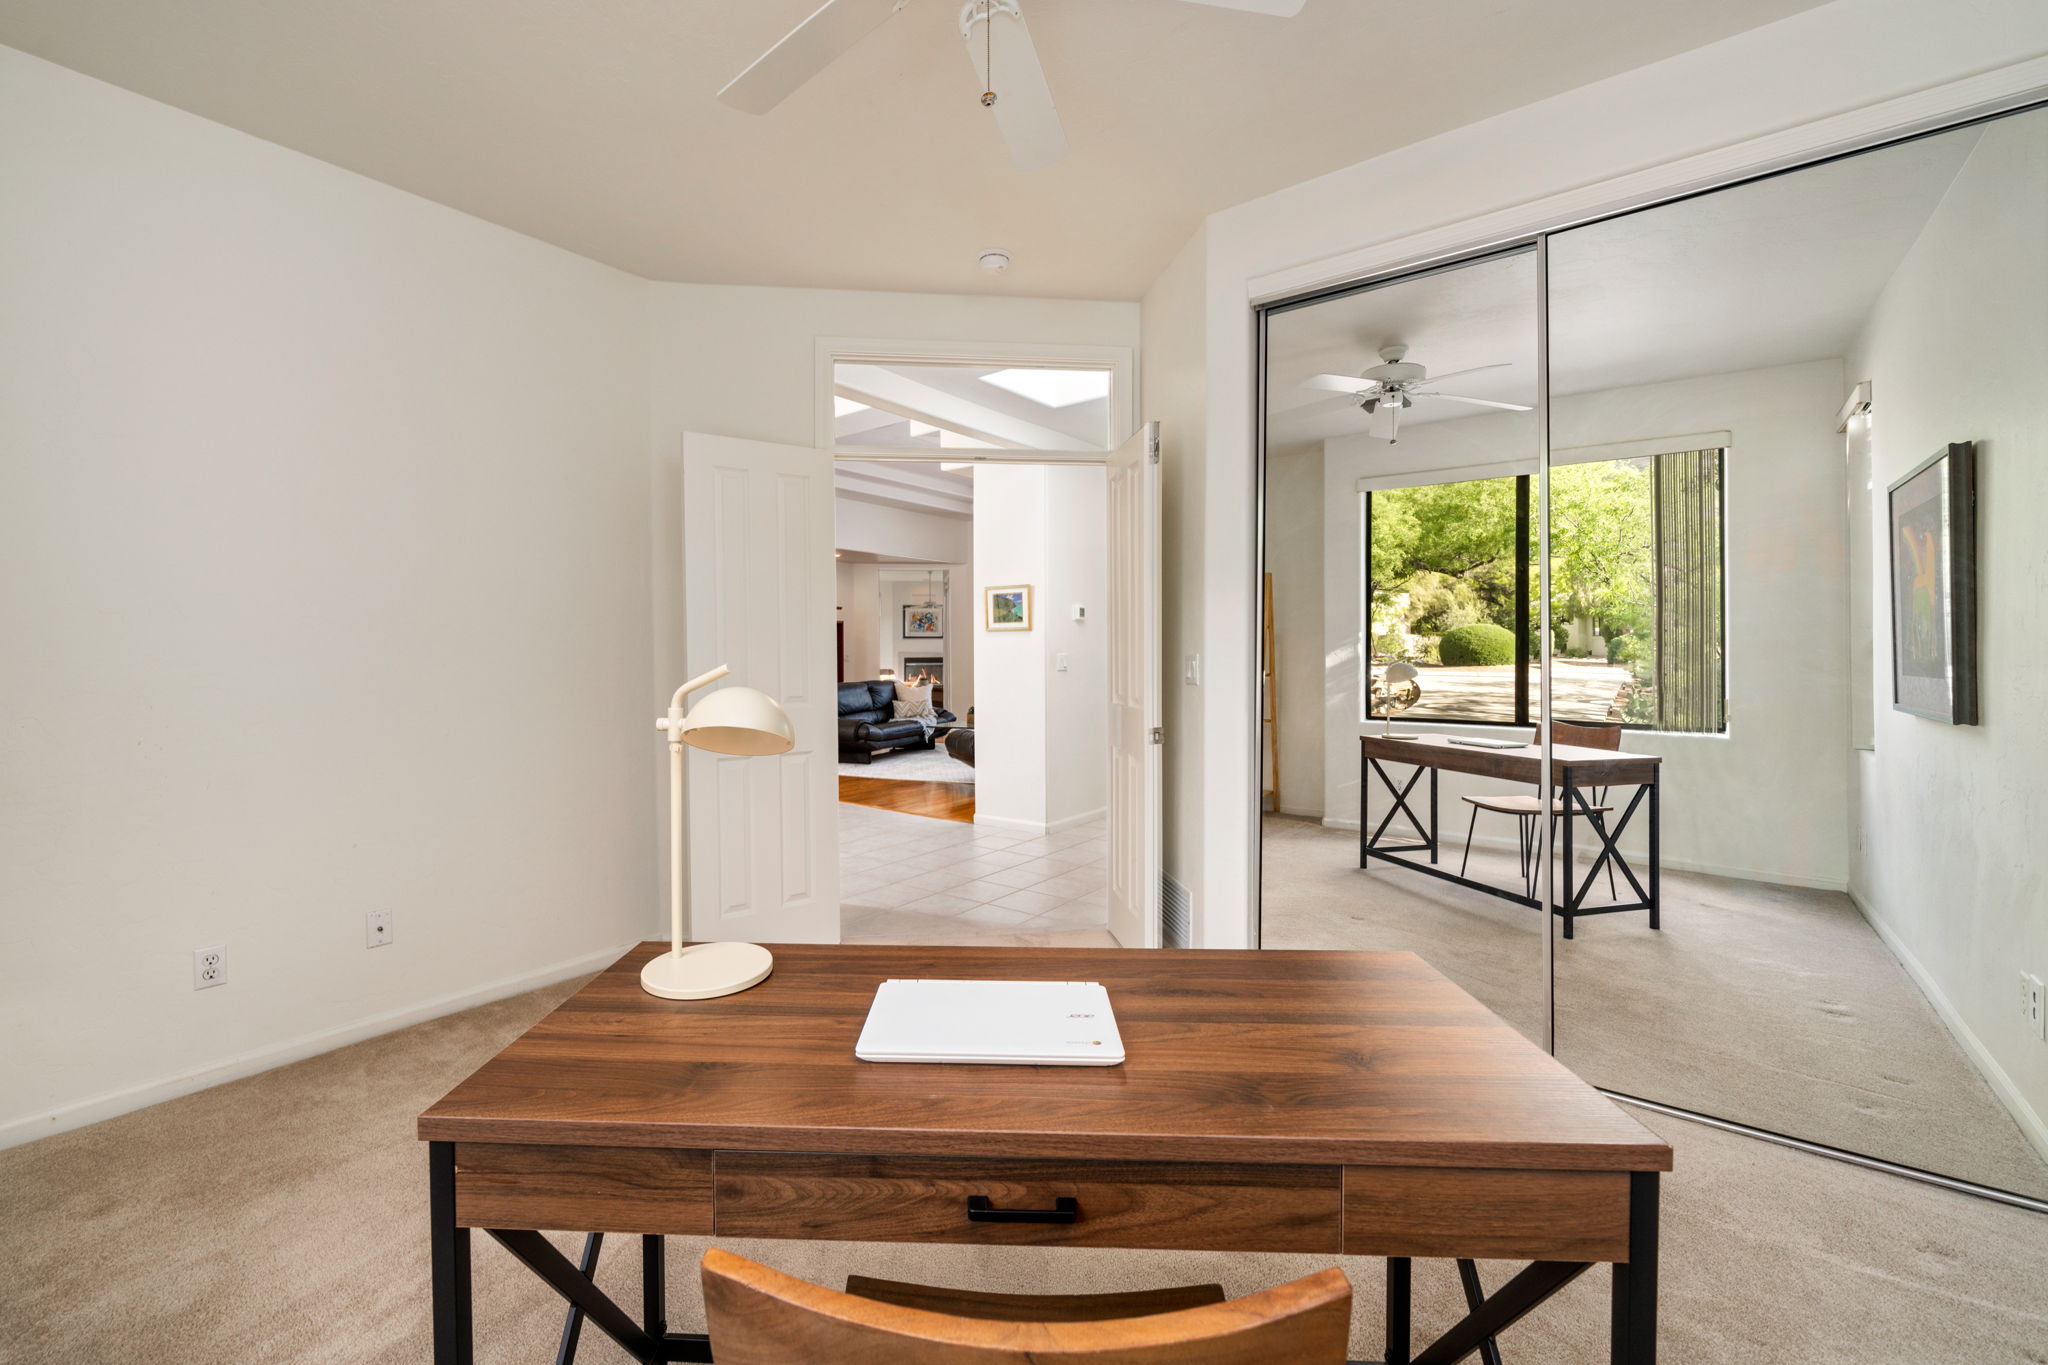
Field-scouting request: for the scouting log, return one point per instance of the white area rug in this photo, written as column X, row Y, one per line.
column 912, row 765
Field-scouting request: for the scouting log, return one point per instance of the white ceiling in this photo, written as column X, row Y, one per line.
column 1774, row 273
column 592, row 124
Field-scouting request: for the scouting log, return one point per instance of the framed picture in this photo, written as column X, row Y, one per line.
column 924, row 623
column 1006, row 608
column 1934, row 588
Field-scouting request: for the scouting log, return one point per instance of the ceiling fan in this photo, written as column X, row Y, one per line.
column 1396, row 383
column 1005, row 63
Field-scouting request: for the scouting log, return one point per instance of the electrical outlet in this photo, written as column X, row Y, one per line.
column 209, row 966
column 2037, row 1017
column 376, row 928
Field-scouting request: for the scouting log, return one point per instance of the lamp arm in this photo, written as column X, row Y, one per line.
column 672, row 723
column 699, row 681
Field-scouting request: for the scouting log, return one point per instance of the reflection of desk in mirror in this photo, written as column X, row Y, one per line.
column 1573, row 771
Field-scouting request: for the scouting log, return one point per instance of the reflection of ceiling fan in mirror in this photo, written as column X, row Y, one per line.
column 1385, row 389
column 1005, row 63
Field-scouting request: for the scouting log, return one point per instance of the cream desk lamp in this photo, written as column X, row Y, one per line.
column 732, row 720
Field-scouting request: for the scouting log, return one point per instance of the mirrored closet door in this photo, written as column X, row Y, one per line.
column 1792, row 466
column 1401, row 457
column 1799, row 527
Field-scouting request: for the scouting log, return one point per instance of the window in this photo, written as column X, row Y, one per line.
column 1636, row 602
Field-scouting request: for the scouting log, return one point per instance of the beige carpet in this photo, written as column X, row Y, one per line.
column 283, row 1218
column 1774, row 1006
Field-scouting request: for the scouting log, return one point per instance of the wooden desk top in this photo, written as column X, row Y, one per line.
column 1590, row 767
column 1276, row 1057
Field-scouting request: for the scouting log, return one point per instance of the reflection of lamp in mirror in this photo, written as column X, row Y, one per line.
column 1397, row 688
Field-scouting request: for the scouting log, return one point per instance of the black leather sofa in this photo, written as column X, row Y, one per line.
column 868, row 724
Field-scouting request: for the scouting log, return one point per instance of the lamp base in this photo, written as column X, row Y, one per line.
column 703, row 971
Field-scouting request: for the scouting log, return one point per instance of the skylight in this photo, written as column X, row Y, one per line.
column 1052, row 388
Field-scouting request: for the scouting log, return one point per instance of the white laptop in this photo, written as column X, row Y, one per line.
column 1018, row 1023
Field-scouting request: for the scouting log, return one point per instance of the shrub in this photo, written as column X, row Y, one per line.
column 1480, row 645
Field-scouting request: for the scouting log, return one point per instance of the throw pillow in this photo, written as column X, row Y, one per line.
column 906, row 692
column 915, row 710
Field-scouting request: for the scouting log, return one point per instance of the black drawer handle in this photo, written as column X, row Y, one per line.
column 1065, row 1209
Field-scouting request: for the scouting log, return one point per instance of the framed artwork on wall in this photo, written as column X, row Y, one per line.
column 1933, row 515
column 924, row 623
column 1006, row 608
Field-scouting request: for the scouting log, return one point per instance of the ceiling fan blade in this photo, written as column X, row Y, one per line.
column 1338, row 383
column 1482, row 402
column 1023, row 108
column 1279, row 9
column 804, row 51
column 1440, row 378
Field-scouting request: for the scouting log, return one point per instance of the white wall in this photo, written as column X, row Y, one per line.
column 1042, row 731
column 324, row 587
column 1766, row 799
column 1009, row 731
column 1296, row 558
column 898, row 531
column 1948, row 859
column 1172, row 360
column 1077, row 652
column 1790, row 86
column 860, row 610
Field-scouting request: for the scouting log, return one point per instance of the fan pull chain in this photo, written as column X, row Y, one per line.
column 988, row 53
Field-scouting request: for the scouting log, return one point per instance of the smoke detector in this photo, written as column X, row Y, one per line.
column 995, row 261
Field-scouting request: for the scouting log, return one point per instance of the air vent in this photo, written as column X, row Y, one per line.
column 1176, row 914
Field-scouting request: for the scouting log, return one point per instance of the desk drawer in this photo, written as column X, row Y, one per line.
column 1177, row 1205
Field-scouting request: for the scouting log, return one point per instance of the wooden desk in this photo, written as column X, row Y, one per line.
column 1572, row 771
column 1354, row 1103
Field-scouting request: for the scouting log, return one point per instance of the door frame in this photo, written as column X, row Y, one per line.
column 1121, row 362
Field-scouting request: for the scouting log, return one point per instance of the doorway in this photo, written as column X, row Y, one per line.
column 973, row 548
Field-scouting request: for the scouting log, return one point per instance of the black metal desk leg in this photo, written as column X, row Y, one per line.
column 1656, row 858
column 1433, row 842
column 1571, row 868
column 1398, row 1301
column 454, row 1328
column 654, row 1284
column 572, row 1321
column 1632, row 1331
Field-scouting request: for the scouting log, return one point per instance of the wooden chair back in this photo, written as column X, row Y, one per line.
column 1585, row 736
column 760, row 1316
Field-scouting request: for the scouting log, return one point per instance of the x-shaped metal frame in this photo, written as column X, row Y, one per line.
column 1426, row 833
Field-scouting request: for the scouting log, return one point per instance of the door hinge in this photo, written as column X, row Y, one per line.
column 1158, row 734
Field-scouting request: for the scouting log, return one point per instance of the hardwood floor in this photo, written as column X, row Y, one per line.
column 939, row 800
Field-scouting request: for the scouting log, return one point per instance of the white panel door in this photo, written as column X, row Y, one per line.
column 1134, row 705
column 758, row 592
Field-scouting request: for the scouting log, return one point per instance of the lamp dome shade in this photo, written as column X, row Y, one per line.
column 1400, row 671
column 739, row 720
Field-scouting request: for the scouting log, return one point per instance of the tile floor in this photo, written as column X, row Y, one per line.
column 910, row 879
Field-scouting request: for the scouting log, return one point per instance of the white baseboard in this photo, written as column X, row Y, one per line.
column 2031, row 1124
column 1746, row 874
column 1009, row 826
column 1087, row 817
column 117, row 1102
